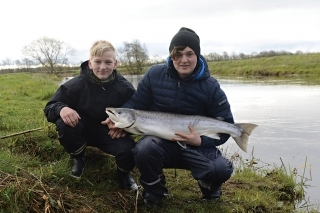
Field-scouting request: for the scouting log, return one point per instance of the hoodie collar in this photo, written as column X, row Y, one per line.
column 90, row 76
column 200, row 72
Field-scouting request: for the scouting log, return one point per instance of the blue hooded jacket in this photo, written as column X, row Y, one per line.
column 161, row 89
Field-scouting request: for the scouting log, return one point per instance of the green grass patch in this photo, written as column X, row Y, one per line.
column 306, row 64
column 34, row 168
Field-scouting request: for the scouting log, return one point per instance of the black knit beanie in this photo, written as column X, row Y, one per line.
column 188, row 37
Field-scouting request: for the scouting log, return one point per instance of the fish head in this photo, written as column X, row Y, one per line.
column 121, row 117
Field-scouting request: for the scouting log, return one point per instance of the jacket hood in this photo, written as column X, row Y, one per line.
column 85, row 70
column 199, row 73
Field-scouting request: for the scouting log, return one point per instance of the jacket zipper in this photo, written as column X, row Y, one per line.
column 177, row 93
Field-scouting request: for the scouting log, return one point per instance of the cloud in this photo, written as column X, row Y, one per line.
column 223, row 25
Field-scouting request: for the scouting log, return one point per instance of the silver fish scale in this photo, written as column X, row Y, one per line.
column 165, row 125
column 180, row 123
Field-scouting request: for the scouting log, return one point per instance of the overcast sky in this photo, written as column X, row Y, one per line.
column 223, row 25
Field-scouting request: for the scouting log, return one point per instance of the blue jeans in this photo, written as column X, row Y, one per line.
column 152, row 154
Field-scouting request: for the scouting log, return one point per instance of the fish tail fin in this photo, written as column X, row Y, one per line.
column 242, row 140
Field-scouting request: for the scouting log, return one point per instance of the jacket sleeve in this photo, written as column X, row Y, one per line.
column 218, row 107
column 52, row 111
column 56, row 103
column 142, row 98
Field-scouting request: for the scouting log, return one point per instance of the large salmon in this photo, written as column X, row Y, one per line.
column 165, row 125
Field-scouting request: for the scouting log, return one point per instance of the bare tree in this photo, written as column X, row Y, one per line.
column 209, row 56
column 225, row 56
column 133, row 56
column 7, row 62
column 234, row 56
column 158, row 59
column 27, row 63
column 24, row 64
column 18, row 64
column 50, row 53
column 243, row 56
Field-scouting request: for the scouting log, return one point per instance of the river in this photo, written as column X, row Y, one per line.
column 287, row 112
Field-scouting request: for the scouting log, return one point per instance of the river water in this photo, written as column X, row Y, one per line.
column 287, row 112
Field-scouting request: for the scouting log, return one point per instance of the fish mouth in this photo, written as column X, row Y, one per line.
column 114, row 116
column 111, row 111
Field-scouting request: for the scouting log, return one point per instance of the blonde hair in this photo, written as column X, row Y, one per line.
column 101, row 46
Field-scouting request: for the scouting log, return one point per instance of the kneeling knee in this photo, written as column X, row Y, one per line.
column 144, row 149
column 224, row 169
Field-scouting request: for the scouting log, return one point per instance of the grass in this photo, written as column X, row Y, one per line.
column 285, row 65
column 306, row 64
column 34, row 168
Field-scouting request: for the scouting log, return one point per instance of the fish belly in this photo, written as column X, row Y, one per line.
column 166, row 127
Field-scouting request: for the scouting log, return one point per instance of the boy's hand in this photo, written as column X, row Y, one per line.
column 193, row 138
column 69, row 116
column 109, row 123
column 114, row 131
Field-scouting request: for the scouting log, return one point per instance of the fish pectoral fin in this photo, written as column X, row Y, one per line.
column 214, row 136
column 139, row 132
column 183, row 145
column 119, row 125
column 134, row 130
column 123, row 125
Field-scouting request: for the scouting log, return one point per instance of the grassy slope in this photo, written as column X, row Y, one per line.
column 34, row 168
column 273, row 66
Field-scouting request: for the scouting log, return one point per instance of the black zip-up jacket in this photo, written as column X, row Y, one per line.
column 89, row 99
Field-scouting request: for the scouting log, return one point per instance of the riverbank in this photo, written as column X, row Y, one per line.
column 304, row 64
column 284, row 65
column 34, row 168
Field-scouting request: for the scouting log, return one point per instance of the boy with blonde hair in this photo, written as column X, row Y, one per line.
column 78, row 108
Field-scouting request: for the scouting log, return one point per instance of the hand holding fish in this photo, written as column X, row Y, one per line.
column 192, row 139
column 114, row 131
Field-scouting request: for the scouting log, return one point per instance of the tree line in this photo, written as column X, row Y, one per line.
column 52, row 55
column 224, row 56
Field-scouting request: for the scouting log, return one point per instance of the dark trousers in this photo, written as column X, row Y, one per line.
column 152, row 154
column 75, row 139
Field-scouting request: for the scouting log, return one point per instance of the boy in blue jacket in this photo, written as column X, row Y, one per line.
column 183, row 85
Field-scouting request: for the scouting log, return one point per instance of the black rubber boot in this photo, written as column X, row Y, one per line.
column 78, row 167
column 210, row 191
column 153, row 195
column 127, row 180
column 151, row 201
column 79, row 163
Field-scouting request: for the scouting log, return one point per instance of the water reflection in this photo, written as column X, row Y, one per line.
column 288, row 119
column 134, row 79
column 279, row 80
column 288, row 115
